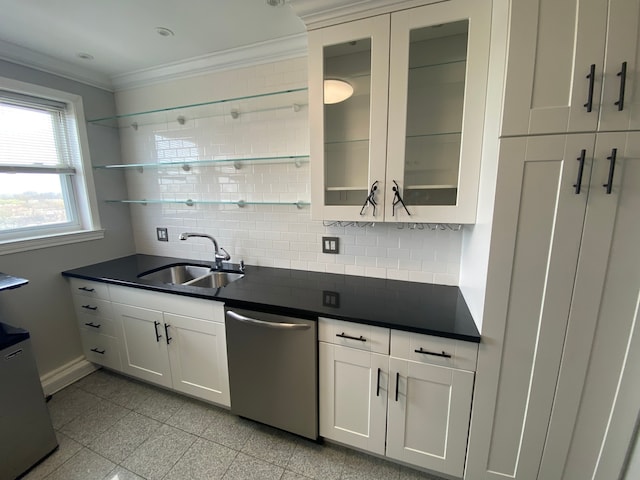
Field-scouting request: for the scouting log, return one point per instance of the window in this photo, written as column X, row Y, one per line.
column 45, row 189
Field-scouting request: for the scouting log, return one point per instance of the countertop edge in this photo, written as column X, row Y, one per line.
column 312, row 314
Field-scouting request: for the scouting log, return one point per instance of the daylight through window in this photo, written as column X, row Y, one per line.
column 38, row 167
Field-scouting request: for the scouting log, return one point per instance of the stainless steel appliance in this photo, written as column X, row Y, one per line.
column 273, row 370
column 26, row 433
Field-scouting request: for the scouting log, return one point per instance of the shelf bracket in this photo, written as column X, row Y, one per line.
column 241, row 203
column 189, row 202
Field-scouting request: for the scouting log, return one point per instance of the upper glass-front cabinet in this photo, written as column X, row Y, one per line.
column 397, row 112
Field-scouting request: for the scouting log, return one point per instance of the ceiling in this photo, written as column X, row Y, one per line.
column 122, row 37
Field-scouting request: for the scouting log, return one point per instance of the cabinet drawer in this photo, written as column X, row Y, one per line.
column 92, row 306
column 430, row 349
column 96, row 324
column 101, row 349
column 354, row 335
column 170, row 303
column 88, row 288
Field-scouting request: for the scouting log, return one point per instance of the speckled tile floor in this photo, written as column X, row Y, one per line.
column 110, row 427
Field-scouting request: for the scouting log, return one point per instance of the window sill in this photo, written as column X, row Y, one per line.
column 24, row 245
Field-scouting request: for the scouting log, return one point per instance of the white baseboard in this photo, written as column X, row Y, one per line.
column 64, row 376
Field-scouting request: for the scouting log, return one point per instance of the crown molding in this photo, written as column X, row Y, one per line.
column 322, row 13
column 292, row 46
column 30, row 58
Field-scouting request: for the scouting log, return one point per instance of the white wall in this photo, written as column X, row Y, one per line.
column 278, row 236
column 44, row 306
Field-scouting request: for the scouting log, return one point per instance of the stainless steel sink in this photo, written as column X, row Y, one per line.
column 215, row 280
column 176, row 274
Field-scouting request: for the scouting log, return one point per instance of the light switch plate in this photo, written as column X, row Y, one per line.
column 162, row 234
column 330, row 244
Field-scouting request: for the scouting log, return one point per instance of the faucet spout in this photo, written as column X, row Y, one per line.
column 218, row 257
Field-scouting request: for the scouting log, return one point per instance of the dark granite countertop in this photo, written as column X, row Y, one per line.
column 416, row 307
column 9, row 281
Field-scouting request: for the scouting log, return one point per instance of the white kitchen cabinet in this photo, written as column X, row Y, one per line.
column 604, row 310
column 98, row 332
column 561, row 234
column 353, row 396
column 198, row 357
column 413, row 406
column 429, row 410
column 180, row 343
column 564, row 72
column 429, row 67
column 143, row 346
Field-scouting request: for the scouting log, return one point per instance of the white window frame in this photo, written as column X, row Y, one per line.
column 89, row 227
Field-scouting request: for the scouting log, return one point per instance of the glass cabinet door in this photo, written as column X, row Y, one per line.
column 435, row 116
column 348, row 112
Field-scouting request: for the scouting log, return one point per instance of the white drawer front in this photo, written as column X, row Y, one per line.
column 170, row 303
column 92, row 306
column 434, row 350
column 97, row 324
column 101, row 349
column 354, row 335
column 88, row 288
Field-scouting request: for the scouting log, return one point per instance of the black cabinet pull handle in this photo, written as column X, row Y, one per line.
column 101, row 352
column 92, row 325
column 397, row 384
column 623, row 81
column 378, row 384
column 592, row 78
column 427, row 352
column 87, row 289
column 343, row 335
column 612, row 166
column 166, row 333
column 578, row 184
column 155, row 326
column 89, row 307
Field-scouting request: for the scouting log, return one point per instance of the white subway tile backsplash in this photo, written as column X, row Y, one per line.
column 278, row 236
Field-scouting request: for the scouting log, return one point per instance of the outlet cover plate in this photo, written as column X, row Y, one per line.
column 330, row 245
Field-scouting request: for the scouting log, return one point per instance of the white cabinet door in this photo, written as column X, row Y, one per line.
column 437, row 82
column 198, row 356
column 143, row 346
column 576, row 70
column 349, row 138
column 429, row 409
column 539, row 212
column 550, row 62
column 604, row 306
column 620, row 103
column 353, row 396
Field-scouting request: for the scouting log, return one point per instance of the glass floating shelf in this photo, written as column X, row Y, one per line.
column 188, row 202
column 345, row 189
column 297, row 160
column 430, row 187
column 293, row 99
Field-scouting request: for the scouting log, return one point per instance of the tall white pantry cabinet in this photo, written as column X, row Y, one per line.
column 557, row 391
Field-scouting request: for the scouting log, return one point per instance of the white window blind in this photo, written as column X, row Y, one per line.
column 37, row 167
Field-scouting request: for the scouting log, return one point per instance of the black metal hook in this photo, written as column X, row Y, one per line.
column 397, row 199
column 370, row 199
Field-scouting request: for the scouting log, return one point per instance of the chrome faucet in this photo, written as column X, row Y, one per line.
column 219, row 257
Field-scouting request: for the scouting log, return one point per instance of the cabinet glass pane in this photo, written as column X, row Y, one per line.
column 435, row 100
column 346, row 123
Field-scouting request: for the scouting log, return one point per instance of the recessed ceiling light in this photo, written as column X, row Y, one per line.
column 84, row 56
column 164, row 32
column 275, row 3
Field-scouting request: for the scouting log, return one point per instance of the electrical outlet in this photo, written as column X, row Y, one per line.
column 330, row 244
column 162, row 234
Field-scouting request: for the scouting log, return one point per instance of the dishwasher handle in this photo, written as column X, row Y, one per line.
column 281, row 325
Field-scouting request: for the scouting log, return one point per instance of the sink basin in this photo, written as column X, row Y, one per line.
column 215, row 280
column 176, row 274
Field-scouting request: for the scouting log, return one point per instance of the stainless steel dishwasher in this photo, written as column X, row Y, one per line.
column 273, row 370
